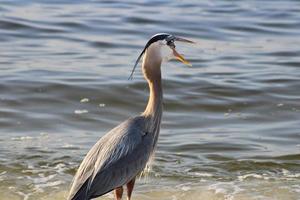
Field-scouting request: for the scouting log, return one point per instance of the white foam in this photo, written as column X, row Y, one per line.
column 285, row 172
column 252, row 175
column 44, row 134
column 185, row 188
column 25, row 196
column 60, row 168
column 296, row 188
column 42, row 178
column 2, row 173
column 22, row 138
column 102, row 105
column 229, row 190
column 297, row 175
column 49, row 184
column 218, row 188
column 288, row 174
column 80, row 111
column 202, row 174
column 67, row 146
column 34, row 171
column 22, row 194
column 84, row 100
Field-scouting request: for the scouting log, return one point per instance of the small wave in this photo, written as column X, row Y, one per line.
column 19, row 193
column 60, row 168
column 283, row 175
column 49, row 184
column 23, row 138
column 69, row 146
column 252, row 175
column 25, row 196
column 41, row 178
column 2, row 175
column 229, row 190
column 203, row 174
column 29, row 138
column 200, row 174
column 288, row 174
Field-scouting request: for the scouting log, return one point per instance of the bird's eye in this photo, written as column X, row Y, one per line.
column 171, row 43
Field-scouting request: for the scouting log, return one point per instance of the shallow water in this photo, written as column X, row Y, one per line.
column 230, row 128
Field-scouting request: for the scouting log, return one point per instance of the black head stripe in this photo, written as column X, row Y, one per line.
column 157, row 37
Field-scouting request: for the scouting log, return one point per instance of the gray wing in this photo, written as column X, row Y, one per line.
column 113, row 161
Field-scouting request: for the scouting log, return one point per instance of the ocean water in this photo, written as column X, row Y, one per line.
column 231, row 123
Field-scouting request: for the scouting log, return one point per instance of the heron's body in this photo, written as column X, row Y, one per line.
column 122, row 153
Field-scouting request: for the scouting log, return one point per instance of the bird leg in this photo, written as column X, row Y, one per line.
column 119, row 193
column 130, row 186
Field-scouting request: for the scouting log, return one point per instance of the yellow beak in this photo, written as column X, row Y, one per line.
column 180, row 58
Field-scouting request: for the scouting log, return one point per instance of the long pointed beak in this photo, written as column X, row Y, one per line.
column 177, row 55
column 183, row 40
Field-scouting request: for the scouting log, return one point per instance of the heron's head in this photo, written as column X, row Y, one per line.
column 162, row 47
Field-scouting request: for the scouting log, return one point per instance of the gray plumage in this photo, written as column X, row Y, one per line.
column 114, row 160
column 122, row 153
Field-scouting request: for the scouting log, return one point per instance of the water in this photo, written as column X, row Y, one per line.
column 230, row 128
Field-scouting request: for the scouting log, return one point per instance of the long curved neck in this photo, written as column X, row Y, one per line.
column 152, row 73
column 154, row 105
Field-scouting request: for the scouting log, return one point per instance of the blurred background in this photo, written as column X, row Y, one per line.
column 230, row 129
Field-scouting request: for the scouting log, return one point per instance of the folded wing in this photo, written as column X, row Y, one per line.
column 113, row 161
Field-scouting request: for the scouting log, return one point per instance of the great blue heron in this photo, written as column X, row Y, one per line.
column 120, row 155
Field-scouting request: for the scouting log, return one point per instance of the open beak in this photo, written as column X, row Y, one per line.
column 180, row 58
column 177, row 55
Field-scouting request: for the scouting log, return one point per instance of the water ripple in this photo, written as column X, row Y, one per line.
column 230, row 126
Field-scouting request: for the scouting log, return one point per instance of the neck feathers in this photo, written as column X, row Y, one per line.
column 154, row 105
column 152, row 73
